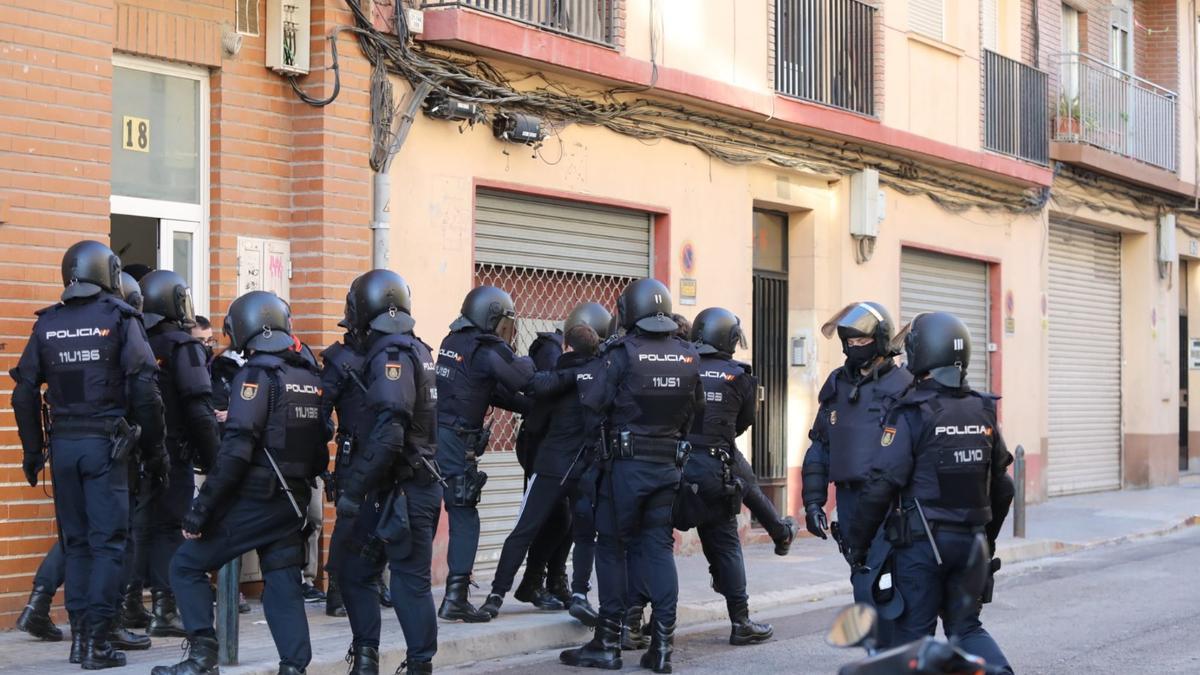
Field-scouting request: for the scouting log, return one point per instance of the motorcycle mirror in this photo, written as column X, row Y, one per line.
column 853, row 626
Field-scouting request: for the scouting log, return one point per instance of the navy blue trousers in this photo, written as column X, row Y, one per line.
column 464, row 520
column 157, row 531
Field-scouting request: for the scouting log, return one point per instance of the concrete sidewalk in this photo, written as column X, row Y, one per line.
column 813, row 571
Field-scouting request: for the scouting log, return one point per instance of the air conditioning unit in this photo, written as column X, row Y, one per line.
column 288, row 35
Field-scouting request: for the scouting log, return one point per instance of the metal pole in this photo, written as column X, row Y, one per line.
column 227, row 611
column 1019, row 498
column 381, row 184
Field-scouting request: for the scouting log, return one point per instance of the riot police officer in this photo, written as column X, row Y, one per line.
column 191, row 429
column 391, row 494
column 648, row 393
column 476, row 368
column 941, row 453
column 254, row 497
column 561, row 457
column 730, row 393
column 92, row 353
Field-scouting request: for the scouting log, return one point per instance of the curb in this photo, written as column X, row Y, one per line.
column 530, row 631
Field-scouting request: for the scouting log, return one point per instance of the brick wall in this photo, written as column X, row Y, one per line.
column 1156, row 42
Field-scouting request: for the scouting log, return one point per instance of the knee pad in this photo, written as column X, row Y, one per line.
column 281, row 554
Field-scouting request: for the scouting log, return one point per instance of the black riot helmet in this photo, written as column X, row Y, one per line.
column 260, row 321
column 132, row 291
column 717, row 329
column 646, row 304
column 167, row 298
column 380, row 300
column 863, row 319
column 591, row 314
column 491, row 310
column 88, row 268
column 937, row 343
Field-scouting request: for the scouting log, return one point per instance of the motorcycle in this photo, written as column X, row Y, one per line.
column 855, row 626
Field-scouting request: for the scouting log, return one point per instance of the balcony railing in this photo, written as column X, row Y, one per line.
column 825, row 52
column 591, row 20
column 1108, row 108
column 1015, row 118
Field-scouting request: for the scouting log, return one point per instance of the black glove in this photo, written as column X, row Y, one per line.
column 32, row 464
column 330, row 486
column 816, row 520
column 347, row 506
column 158, row 468
column 856, row 557
column 195, row 518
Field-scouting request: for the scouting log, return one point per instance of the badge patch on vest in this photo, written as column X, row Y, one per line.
column 832, row 417
column 392, row 371
column 889, row 435
column 249, row 391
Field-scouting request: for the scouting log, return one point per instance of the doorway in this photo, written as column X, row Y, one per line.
column 770, row 329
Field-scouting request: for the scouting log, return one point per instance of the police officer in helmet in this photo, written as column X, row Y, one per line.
column 391, row 492
column 192, row 436
column 91, row 352
column 476, row 368
column 648, row 394
column 562, row 455
column 730, row 392
column 272, row 448
column 942, row 455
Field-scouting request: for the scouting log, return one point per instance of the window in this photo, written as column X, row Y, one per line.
column 989, row 24
column 1070, row 45
column 1120, row 52
column 247, row 17
column 927, row 17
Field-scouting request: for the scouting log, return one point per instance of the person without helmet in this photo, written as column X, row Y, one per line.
column 845, row 434
column 562, row 456
column 255, row 496
column 91, row 352
column 390, row 491
column 646, row 397
column 940, row 453
column 476, row 368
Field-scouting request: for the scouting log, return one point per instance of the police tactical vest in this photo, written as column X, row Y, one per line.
column 952, row 469
column 167, row 344
column 853, row 428
column 351, row 402
column 407, row 354
column 723, row 398
column 654, row 397
column 79, row 345
column 295, row 432
column 464, row 390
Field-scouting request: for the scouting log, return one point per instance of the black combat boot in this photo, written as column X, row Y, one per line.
column 492, row 604
column 133, row 610
column 560, row 588
column 534, row 591
column 334, row 606
column 363, row 660
column 289, row 669
column 456, row 606
column 658, row 656
column 35, row 618
column 632, row 636
column 164, row 620
column 98, row 652
column 603, row 651
column 745, row 631
column 416, row 667
column 77, row 639
column 201, row 659
column 128, row 640
column 582, row 610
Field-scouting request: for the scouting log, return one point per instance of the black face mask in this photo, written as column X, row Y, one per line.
column 859, row 357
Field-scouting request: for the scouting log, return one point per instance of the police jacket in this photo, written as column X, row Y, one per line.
column 223, row 369
column 561, row 449
column 400, row 414
column 729, row 401
column 274, row 421
column 341, row 391
column 845, row 434
column 649, row 386
column 93, row 355
column 940, row 447
column 475, row 370
column 544, row 352
column 183, row 378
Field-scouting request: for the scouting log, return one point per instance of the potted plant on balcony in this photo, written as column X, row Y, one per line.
column 1068, row 121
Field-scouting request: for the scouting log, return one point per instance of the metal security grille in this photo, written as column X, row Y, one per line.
column 1084, row 444
column 771, row 367
column 1016, row 118
column 932, row 282
column 592, row 20
column 825, row 52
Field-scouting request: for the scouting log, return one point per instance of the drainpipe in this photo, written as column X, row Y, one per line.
column 381, row 183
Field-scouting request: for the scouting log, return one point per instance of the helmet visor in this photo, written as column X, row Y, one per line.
column 900, row 341
column 506, row 329
column 739, row 337
column 857, row 317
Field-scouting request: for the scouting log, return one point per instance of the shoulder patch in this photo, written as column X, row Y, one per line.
column 249, row 391
column 889, row 435
column 392, row 370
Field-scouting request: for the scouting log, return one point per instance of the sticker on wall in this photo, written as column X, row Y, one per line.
column 1010, row 323
column 687, row 291
column 687, row 258
column 1154, row 322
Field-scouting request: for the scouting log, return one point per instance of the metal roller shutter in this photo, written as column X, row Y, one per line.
column 933, row 282
column 1084, row 453
column 550, row 255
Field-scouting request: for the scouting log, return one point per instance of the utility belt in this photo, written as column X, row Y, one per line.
column 904, row 527
column 851, row 485
column 474, row 438
column 124, row 435
column 261, row 482
column 626, row 445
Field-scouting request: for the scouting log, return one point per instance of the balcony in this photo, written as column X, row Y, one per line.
column 591, row 20
column 825, row 52
column 1015, row 120
column 1103, row 107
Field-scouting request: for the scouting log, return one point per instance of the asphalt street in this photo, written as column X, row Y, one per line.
column 1132, row 607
